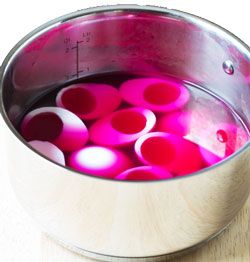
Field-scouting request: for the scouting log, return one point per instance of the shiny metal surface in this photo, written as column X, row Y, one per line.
column 228, row 67
column 114, row 218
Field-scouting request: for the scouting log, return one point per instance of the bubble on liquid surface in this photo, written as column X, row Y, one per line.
column 222, row 136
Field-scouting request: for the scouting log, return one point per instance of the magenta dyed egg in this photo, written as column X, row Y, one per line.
column 144, row 173
column 122, row 127
column 99, row 161
column 49, row 150
column 56, row 125
column 170, row 151
column 89, row 100
column 177, row 122
column 158, row 95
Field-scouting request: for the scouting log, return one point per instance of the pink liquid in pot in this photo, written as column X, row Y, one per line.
column 135, row 127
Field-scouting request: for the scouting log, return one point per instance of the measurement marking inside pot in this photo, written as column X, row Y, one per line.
column 76, row 47
column 77, row 59
column 86, row 39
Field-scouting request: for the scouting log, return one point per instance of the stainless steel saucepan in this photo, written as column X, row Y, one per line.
column 115, row 220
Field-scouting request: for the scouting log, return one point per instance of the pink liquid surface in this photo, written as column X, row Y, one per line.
column 141, row 128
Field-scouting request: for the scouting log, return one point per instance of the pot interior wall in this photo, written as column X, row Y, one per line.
column 131, row 41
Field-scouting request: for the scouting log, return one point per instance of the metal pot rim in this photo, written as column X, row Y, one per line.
column 245, row 49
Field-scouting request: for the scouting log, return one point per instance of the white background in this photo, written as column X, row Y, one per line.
column 19, row 238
